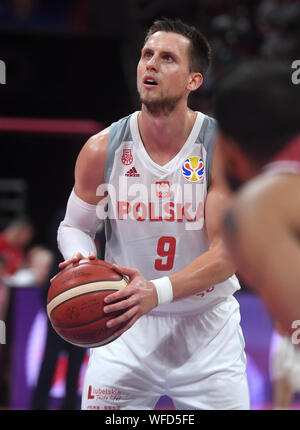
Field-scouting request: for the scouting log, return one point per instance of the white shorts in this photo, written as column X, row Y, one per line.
column 198, row 361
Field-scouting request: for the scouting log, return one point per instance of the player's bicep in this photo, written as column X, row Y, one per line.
column 218, row 198
column 217, row 202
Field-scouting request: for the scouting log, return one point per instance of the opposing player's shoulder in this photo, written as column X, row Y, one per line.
column 266, row 187
column 269, row 197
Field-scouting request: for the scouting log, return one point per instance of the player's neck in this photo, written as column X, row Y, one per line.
column 164, row 135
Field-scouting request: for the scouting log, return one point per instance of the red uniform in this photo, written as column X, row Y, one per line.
column 13, row 255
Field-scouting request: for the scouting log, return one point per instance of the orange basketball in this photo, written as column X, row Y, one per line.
column 76, row 299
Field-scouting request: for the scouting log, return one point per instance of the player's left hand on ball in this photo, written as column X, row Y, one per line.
column 136, row 299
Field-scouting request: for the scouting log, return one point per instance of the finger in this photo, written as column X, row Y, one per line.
column 128, row 271
column 64, row 264
column 120, row 305
column 118, row 295
column 125, row 292
column 122, row 318
column 76, row 257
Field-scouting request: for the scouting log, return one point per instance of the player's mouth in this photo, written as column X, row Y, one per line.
column 149, row 82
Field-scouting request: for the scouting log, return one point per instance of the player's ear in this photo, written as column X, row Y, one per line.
column 195, row 81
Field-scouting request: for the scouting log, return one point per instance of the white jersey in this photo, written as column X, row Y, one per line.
column 155, row 214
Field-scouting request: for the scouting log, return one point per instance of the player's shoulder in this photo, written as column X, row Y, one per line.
column 282, row 191
column 211, row 120
column 268, row 195
column 90, row 162
column 97, row 143
column 209, row 125
column 266, row 205
column 266, row 185
column 214, row 151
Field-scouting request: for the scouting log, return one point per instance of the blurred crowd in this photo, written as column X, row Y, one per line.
column 237, row 29
column 21, row 265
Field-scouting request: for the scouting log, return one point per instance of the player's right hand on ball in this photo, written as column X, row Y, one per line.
column 77, row 257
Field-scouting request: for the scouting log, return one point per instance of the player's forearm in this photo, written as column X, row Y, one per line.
column 77, row 231
column 71, row 240
column 212, row 267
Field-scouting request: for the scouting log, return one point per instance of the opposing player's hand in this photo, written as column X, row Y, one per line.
column 138, row 297
column 77, row 257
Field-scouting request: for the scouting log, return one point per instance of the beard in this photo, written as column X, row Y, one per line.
column 164, row 105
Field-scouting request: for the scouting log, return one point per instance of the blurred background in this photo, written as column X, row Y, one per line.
column 70, row 70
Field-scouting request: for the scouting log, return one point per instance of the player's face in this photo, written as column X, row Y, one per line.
column 163, row 71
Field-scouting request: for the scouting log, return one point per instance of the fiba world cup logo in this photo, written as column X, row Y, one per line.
column 193, row 169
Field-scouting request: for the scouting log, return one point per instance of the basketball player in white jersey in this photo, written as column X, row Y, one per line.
column 260, row 139
column 154, row 178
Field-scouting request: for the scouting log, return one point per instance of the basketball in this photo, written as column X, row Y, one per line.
column 76, row 299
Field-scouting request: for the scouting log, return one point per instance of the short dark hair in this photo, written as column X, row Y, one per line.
column 200, row 51
column 258, row 107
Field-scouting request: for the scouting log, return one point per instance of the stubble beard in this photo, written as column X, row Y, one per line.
column 163, row 106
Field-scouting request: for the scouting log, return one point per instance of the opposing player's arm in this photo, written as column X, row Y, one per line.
column 262, row 231
column 77, row 231
column 216, row 264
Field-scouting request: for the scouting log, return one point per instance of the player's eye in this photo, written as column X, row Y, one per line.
column 147, row 54
column 168, row 58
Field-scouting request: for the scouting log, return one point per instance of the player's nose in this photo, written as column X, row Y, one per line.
column 152, row 63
